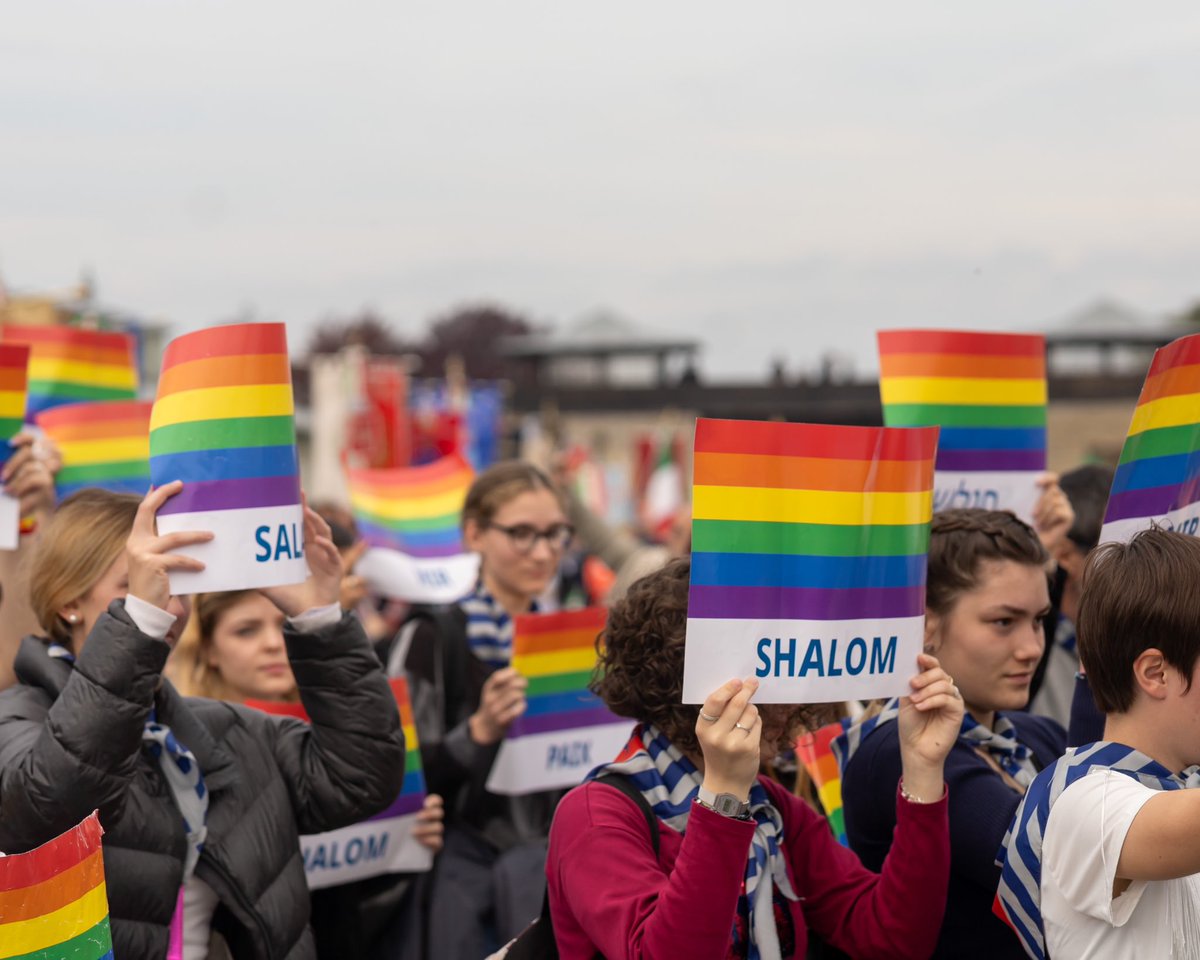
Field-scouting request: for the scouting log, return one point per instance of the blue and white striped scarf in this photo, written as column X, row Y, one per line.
column 181, row 771
column 669, row 782
column 1000, row 743
column 1019, row 898
column 489, row 627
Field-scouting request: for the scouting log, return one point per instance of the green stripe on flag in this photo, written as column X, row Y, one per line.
column 63, row 389
column 227, row 434
column 1163, row 442
column 955, row 415
column 449, row 521
column 412, row 761
column 98, row 472
column 559, row 683
column 10, row 427
column 90, row 945
column 809, row 539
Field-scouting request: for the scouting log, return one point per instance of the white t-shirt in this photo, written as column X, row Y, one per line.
column 1084, row 836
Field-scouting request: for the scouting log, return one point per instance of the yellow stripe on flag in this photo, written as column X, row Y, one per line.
column 222, row 403
column 12, row 404
column 560, row 661
column 77, row 371
column 116, row 450
column 1166, row 412
column 975, row 391
column 811, row 506
column 416, row 509
column 50, row 929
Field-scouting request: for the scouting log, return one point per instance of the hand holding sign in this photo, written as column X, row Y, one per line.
column 730, row 741
column 324, row 582
column 147, row 553
column 502, row 701
column 29, row 477
column 929, row 721
column 1053, row 516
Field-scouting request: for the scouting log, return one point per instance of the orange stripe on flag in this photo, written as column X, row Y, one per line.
column 26, row 903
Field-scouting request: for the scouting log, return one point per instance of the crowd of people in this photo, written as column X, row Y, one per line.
column 1022, row 799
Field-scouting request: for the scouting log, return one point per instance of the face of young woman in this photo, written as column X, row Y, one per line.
column 992, row 639
column 248, row 651
column 114, row 585
column 512, row 570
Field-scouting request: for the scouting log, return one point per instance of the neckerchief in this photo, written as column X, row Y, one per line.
column 489, row 627
column 669, row 782
column 1019, row 898
column 1000, row 743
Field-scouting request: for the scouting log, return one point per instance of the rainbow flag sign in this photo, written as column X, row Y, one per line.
column 69, row 365
column 223, row 424
column 412, row 517
column 566, row 729
column 1158, row 478
column 14, row 365
column 53, row 901
column 987, row 391
column 104, row 444
column 381, row 844
column 815, row 751
column 809, row 544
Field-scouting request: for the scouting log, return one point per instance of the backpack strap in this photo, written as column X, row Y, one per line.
column 621, row 782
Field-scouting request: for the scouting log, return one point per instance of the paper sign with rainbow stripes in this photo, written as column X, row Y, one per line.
column 565, row 729
column 69, row 365
column 987, row 391
column 808, row 559
column 815, row 751
column 104, row 444
column 412, row 518
column 53, row 900
column 223, row 424
column 383, row 843
column 1158, row 478
column 14, row 364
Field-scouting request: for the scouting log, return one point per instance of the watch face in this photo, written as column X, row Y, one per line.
column 728, row 804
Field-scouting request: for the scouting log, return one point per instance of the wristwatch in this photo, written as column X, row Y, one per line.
column 726, row 804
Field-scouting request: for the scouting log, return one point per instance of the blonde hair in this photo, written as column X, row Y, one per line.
column 189, row 668
column 76, row 547
column 499, row 484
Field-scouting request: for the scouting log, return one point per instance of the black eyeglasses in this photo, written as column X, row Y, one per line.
column 524, row 536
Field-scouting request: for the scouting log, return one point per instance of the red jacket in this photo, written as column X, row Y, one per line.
column 609, row 893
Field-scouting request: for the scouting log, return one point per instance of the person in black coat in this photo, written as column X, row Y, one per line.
column 202, row 802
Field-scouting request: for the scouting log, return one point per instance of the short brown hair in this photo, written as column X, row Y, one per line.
column 499, row 484
column 80, row 542
column 959, row 543
column 1137, row 596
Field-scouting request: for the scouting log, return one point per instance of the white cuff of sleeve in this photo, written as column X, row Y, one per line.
column 316, row 618
column 151, row 620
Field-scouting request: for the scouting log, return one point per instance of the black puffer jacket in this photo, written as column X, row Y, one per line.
column 71, row 742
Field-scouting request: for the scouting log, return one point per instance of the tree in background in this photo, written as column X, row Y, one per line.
column 472, row 333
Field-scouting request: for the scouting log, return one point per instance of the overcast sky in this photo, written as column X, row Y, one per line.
column 777, row 178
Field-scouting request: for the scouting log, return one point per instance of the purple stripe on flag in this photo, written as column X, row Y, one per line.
column 202, row 496
column 1153, row 501
column 569, row 720
column 403, row 805
column 804, row 603
column 991, row 460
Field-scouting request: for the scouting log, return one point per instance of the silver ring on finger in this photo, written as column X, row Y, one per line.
column 742, row 726
column 707, row 719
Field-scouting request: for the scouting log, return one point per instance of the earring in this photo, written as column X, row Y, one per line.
column 73, row 618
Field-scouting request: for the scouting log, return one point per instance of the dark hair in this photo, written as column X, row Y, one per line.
column 640, row 673
column 1087, row 488
column 959, row 543
column 1136, row 596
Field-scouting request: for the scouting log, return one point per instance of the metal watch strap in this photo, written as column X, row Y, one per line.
column 726, row 804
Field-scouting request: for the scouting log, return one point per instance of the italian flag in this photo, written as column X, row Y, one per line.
column 664, row 491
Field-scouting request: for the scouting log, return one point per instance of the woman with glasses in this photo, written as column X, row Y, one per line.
column 490, row 876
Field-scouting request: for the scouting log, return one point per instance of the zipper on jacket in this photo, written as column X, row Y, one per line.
column 242, row 900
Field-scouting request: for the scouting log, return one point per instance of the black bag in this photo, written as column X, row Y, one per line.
column 537, row 941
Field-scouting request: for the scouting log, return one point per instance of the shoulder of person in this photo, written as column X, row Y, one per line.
column 879, row 751
column 1044, row 735
column 596, row 805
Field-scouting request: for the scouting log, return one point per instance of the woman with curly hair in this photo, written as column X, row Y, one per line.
column 986, row 598
column 739, row 867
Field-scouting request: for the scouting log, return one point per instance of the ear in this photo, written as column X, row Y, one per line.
column 473, row 535
column 70, row 614
column 1150, row 673
column 933, row 631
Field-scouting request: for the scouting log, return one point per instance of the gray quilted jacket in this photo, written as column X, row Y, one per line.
column 71, row 742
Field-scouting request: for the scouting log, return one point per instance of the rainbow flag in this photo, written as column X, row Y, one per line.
column 53, row 901
column 987, row 391
column 415, row 510
column 222, row 423
column 808, row 559
column 103, row 444
column 382, row 843
column 815, row 751
column 14, row 388
column 565, row 729
column 1158, row 477
column 68, row 365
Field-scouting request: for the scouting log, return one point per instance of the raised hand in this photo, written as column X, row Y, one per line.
column 354, row 587
column 324, row 583
column 429, row 829
column 1053, row 515
column 150, row 556
column 29, row 473
column 729, row 730
column 929, row 723
column 502, row 701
